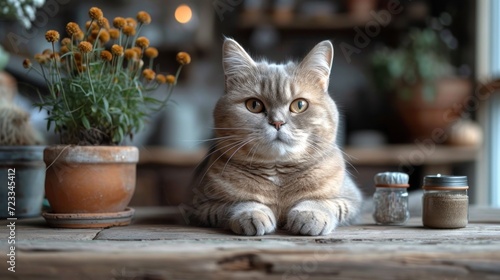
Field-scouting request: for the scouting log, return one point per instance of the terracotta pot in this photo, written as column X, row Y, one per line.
column 422, row 117
column 90, row 179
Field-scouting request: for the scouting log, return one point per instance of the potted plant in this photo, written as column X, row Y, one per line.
column 99, row 94
column 19, row 142
column 425, row 90
column 21, row 162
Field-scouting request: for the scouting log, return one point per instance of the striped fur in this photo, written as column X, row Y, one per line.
column 258, row 178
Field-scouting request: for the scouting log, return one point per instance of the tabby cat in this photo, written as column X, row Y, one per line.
column 275, row 163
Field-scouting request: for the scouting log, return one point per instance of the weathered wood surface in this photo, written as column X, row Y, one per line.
column 155, row 246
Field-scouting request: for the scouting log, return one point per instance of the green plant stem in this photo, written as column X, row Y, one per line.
column 171, row 89
column 114, row 61
column 90, row 78
column 88, row 30
column 97, row 39
column 139, row 27
column 59, row 77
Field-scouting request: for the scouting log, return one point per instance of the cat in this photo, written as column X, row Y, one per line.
column 275, row 163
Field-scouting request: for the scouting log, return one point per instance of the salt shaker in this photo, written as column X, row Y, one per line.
column 445, row 203
column 391, row 198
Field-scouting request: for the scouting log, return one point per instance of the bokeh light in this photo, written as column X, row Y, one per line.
column 183, row 14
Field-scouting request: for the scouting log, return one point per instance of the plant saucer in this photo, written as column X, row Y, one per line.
column 89, row 220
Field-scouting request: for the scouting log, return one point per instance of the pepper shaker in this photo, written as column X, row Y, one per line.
column 445, row 202
column 391, row 198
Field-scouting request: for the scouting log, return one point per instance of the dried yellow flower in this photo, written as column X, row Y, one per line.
column 66, row 41
column 129, row 30
column 119, row 22
column 27, row 63
column 143, row 17
column 52, row 36
column 80, row 35
column 138, row 51
column 106, row 55
column 78, row 57
column 95, row 13
column 72, row 29
column 161, row 79
column 114, row 33
column 93, row 34
column 170, row 79
column 41, row 58
column 64, row 49
column 85, row 47
column 104, row 37
column 151, row 52
column 117, row 50
column 183, row 58
column 103, row 23
column 142, row 42
column 130, row 54
column 149, row 74
column 131, row 22
column 55, row 56
column 47, row 51
column 91, row 25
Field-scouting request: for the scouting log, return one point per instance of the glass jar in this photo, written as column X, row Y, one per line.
column 391, row 204
column 445, row 203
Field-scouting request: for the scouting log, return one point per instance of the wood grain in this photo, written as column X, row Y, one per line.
column 158, row 246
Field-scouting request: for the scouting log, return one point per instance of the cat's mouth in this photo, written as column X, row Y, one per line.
column 282, row 138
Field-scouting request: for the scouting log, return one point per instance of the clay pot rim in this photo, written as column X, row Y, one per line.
column 91, row 154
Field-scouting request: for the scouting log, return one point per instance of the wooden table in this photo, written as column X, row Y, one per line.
column 156, row 246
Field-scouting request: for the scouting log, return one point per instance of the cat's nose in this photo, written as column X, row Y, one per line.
column 277, row 124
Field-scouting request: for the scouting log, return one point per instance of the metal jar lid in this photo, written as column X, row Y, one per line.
column 437, row 181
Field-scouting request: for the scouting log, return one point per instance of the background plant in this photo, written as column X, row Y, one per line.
column 99, row 80
column 421, row 58
column 24, row 11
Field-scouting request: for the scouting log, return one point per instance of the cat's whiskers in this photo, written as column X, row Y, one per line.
column 239, row 148
column 232, row 128
column 231, row 146
column 197, row 143
column 254, row 148
column 315, row 144
column 213, row 150
column 210, row 139
column 347, row 157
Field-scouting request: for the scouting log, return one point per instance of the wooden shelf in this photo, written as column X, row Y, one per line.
column 297, row 22
column 165, row 156
column 385, row 155
column 410, row 154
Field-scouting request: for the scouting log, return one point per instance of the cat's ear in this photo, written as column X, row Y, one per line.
column 235, row 59
column 317, row 64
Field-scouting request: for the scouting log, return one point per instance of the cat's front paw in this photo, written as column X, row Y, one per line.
column 310, row 222
column 253, row 221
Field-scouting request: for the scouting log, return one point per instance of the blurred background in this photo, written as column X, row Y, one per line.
column 415, row 81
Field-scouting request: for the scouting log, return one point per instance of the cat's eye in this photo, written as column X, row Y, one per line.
column 299, row 105
column 254, row 105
